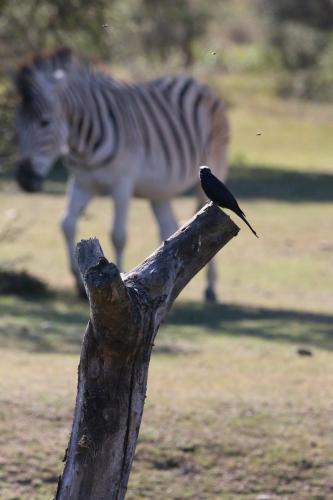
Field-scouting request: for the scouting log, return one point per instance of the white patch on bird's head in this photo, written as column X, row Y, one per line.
column 205, row 169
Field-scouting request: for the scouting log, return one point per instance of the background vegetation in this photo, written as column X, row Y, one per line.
column 233, row 410
column 290, row 35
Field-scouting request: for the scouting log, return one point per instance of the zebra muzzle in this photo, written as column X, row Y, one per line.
column 27, row 178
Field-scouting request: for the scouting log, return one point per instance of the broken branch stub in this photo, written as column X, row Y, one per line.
column 111, row 310
column 125, row 314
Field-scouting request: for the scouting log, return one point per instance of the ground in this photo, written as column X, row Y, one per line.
column 233, row 410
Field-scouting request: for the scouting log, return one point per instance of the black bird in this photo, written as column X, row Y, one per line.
column 218, row 193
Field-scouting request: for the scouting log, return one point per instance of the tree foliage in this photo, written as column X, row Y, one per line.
column 38, row 24
column 317, row 14
column 151, row 34
column 102, row 27
column 302, row 34
column 172, row 25
column 301, row 30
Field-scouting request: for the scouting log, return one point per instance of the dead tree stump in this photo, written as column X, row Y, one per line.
column 125, row 314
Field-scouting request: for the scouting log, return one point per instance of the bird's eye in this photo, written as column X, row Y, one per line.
column 44, row 122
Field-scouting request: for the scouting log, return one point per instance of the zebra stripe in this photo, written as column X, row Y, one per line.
column 182, row 115
column 171, row 123
column 141, row 122
column 156, row 123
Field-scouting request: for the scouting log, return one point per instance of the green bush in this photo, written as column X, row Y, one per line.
column 299, row 45
column 301, row 33
column 317, row 14
column 314, row 82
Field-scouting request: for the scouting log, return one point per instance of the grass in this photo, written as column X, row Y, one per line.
column 294, row 135
column 233, row 411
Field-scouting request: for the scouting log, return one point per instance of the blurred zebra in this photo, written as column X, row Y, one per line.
column 145, row 140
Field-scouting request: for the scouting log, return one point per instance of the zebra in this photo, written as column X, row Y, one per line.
column 144, row 140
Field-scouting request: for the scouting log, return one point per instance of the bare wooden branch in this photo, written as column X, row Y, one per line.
column 125, row 314
column 168, row 270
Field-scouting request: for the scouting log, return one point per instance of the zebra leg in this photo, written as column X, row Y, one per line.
column 78, row 199
column 121, row 192
column 210, row 291
column 165, row 218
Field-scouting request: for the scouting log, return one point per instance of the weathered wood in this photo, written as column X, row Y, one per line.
column 125, row 314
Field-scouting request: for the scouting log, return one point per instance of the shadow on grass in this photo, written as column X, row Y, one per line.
column 45, row 325
column 277, row 325
column 58, row 325
column 246, row 181
column 276, row 183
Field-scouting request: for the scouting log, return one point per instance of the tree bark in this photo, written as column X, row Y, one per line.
column 125, row 314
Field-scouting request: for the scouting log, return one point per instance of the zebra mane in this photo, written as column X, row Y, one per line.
column 53, row 66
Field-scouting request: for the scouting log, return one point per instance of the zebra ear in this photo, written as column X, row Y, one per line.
column 62, row 61
column 63, row 58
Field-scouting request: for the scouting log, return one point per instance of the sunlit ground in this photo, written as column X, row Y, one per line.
column 233, row 411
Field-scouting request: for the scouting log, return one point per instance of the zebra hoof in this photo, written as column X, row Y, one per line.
column 210, row 296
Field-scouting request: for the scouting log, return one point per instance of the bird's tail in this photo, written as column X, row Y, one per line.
column 242, row 216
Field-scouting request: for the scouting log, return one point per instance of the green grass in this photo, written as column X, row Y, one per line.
column 294, row 135
column 233, row 411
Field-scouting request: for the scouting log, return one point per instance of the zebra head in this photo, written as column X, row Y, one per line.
column 41, row 124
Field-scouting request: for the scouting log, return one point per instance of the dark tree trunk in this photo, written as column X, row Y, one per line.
column 125, row 314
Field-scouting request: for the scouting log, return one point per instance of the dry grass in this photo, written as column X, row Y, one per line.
column 225, row 418
column 233, row 411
